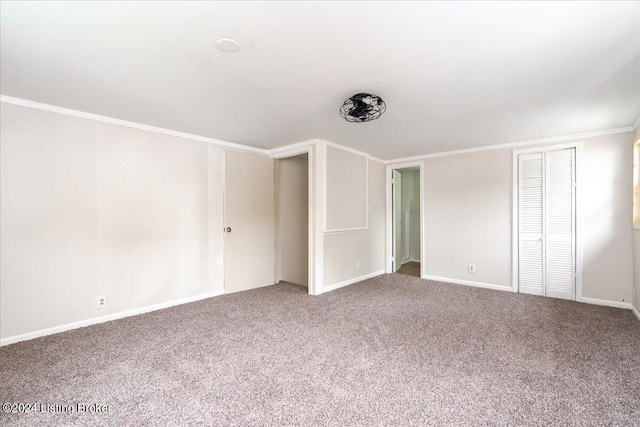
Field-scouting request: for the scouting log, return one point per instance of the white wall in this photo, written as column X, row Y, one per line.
column 90, row 209
column 468, row 216
column 636, row 269
column 468, row 213
column 293, row 219
column 343, row 250
column 636, row 250
column 608, row 208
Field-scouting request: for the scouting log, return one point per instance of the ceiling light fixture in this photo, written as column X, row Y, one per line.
column 362, row 107
column 228, row 45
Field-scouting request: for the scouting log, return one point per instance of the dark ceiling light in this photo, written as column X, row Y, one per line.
column 362, row 107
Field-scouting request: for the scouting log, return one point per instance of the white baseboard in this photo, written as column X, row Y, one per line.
column 469, row 283
column 404, row 261
column 414, row 260
column 107, row 318
column 636, row 312
column 351, row 281
column 605, row 302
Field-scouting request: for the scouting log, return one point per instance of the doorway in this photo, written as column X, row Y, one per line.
column 292, row 220
column 405, row 213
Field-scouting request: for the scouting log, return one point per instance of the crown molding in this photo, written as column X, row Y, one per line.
column 104, row 119
column 276, row 151
column 344, row 148
column 513, row 144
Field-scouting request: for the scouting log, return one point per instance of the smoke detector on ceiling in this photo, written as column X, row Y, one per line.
column 228, row 45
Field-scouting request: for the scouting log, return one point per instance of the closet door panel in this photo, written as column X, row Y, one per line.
column 560, row 224
column 531, row 225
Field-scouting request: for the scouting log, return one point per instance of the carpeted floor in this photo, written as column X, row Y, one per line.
column 393, row 350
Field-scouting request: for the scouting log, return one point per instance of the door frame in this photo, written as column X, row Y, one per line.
column 396, row 191
column 311, row 250
column 515, row 249
column 389, row 208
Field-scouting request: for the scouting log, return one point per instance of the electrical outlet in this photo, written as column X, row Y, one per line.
column 472, row 268
column 358, row 264
column 102, row 301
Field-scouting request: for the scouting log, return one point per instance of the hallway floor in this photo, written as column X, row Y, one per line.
column 410, row 269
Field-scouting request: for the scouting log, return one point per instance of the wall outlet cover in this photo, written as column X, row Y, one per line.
column 102, row 301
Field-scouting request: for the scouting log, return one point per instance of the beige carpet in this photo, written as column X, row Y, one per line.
column 394, row 350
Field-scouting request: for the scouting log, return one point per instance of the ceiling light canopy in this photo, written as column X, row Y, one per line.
column 362, row 107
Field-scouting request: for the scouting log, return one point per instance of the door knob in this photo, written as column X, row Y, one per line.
column 228, row 229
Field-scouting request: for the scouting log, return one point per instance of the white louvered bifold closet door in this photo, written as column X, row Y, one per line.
column 546, row 212
column 560, row 224
column 531, row 222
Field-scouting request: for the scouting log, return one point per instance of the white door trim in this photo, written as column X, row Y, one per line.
column 389, row 223
column 578, row 146
column 311, row 250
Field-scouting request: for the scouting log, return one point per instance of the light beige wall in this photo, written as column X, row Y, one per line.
column 215, row 215
column 636, row 269
column 608, row 214
column 93, row 209
column 468, row 213
column 293, row 219
column 636, row 252
column 468, row 216
column 343, row 250
column 346, row 190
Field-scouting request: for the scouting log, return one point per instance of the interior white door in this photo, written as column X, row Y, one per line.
column 396, row 185
column 249, row 216
column 546, row 223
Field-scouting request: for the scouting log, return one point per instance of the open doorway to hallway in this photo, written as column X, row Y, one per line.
column 406, row 220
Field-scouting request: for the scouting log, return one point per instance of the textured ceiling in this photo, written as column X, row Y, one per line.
column 454, row 75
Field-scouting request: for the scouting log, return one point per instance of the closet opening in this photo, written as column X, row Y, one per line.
column 292, row 220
